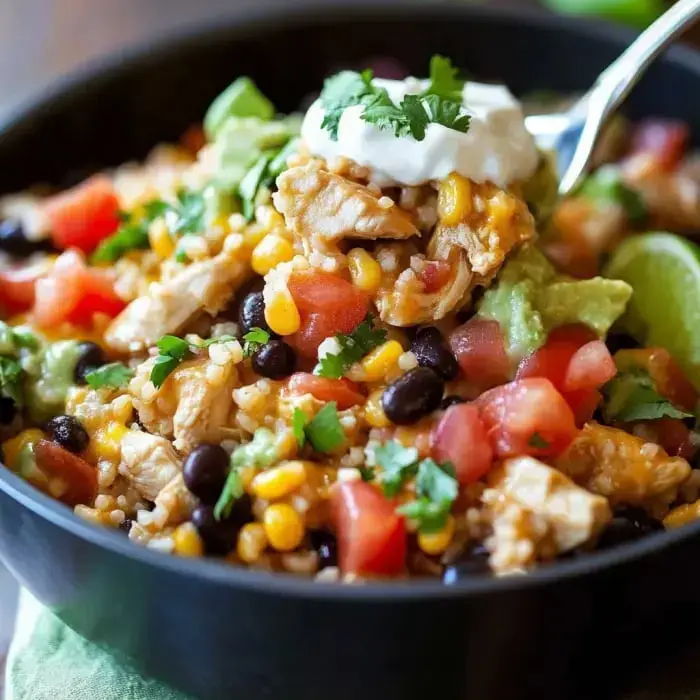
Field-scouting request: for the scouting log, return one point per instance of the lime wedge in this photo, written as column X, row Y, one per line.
column 664, row 272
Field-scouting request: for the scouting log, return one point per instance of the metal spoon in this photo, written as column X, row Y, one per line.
column 573, row 134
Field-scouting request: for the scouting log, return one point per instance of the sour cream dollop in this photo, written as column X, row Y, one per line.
column 497, row 147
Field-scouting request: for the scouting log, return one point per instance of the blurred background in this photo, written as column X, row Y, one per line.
column 42, row 39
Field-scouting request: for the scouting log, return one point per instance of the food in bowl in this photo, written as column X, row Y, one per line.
column 365, row 342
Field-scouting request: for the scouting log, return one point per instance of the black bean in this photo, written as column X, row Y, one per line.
column 473, row 561
column 219, row 537
column 627, row 525
column 252, row 313
column 205, row 471
column 14, row 241
column 90, row 357
column 451, row 400
column 326, row 546
column 275, row 360
column 242, row 511
column 430, row 350
column 412, row 396
column 8, row 410
column 68, row 432
column 126, row 525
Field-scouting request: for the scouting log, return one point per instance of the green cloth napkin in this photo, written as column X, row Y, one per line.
column 48, row 661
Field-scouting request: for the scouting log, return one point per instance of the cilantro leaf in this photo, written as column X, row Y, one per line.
column 253, row 340
column 299, row 422
column 353, row 348
column 605, row 186
column 367, row 473
column 430, row 516
column 324, row 431
column 173, row 346
column 11, row 379
column 190, row 212
column 172, row 350
column 631, row 396
column 537, row 441
column 408, row 119
column 444, row 80
column 114, row 375
column 447, row 113
column 219, row 339
column 232, row 491
column 343, row 90
column 398, row 464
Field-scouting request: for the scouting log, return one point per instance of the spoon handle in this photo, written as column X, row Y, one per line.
column 615, row 82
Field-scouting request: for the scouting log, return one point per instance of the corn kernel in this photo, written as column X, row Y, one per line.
column 159, row 239
column 283, row 526
column 501, row 210
column 374, row 413
column 365, row 271
column 252, row 542
column 682, row 515
column 12, row 447
column 187, row 541
column 106, row 442
column 270, row 252
column 381, row 361
column 282, row 314
column 436, row 542
column 454, row 199
column 279, row 481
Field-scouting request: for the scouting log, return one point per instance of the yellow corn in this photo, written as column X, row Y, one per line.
column 436, row 542
column 365, row 271
column 283, row 526
column 381, row 361
column 374, row 413
column 159, row 239
column 282, row 314
column 501, row 210
column 252, row 542
column 106, row 442
column 279, row 481
column 454, row 199
column 270, row 252
column 682, row 515
column 187, row 541
column 12, row 447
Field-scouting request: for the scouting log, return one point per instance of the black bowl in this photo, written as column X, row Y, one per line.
column 219, row 632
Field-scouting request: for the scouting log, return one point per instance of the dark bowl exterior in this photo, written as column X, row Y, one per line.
column 217, row 632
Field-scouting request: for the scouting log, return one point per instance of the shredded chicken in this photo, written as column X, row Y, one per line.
column 623, row 467
column 323, row 208
column 193, row 405
column 149, row 462
column 167, row 308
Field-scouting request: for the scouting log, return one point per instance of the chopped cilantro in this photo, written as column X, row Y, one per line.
column 113, row 375
column 353, row 348
column 431, row 517
column 605, row 186
column 631, row 396
column 11, row 379
column 444, row 80
column 253, row 340
column 447, row 113
column 232, row 491
column 189, row 212
column 398, row 464
column 172, row 351
column 24, row 338
column 407, row 119
column 299, row 422
column 538, row 442
column 324, row 431
column 367, row 473
column 343, row 90
column 219, row 339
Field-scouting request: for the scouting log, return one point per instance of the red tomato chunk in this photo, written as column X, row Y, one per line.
column 344, row 392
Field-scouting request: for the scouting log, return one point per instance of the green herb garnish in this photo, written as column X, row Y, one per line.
column 398, row 465
column 605, row 186
column 232, row 491
column 253, row 340
column 538, row 442
column 113, row 375
column 444, row 80
column 324, row 431
column 353, row 348
column 11, row 380
column 299, row 422
column 171, row 352
column 189, row 211
column 367, row 473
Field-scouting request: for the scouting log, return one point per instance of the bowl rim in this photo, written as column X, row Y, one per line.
column 251, row 19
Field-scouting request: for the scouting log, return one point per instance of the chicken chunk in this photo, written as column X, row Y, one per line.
column 149, row 462
column 555, row 514
column 204, row 286
column 193, row 405
column 624, row 468
column 323, row 208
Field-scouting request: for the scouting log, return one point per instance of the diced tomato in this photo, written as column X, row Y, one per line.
column 434, row 275
column 664, row 139
column 461, row 438
column 74, row 292
column 527, row 417
column 671, row 433
column 79, row 477
column 344, row 392
column 667, row 376
column 327, row 304
column 583, row 403
column 591, row 366
column 480, row 350
column 84, row 215
column 193, row 140
column 17, row 286
column 371, row 534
